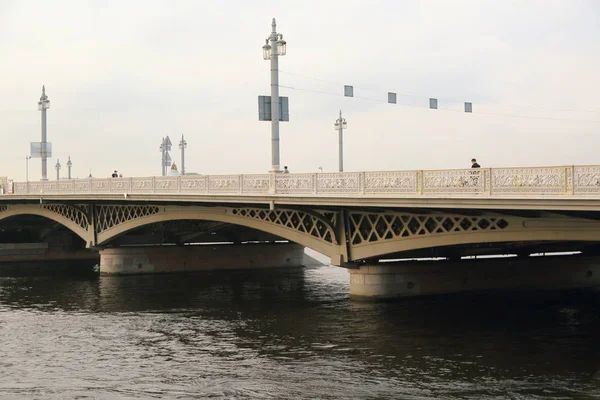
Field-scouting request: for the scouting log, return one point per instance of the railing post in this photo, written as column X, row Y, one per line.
column 487, row 181
column 130, row 185
column 90, row 185
column 420, row 182
column 179, row 184
column 363, row 182
column 240, row 183
column 153, row 183
column 570, row 180
column 272, row 183
column 315, row 176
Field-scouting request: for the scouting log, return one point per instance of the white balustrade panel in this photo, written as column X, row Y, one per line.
column 65, row 186
column 50, row 187
column 35, row 187
column 193, row 184
column 256, row 184
column 101, row 185
column 227, row 184
column 294, row 183
column 166, row 184
column 454, row 181
column 340, row 183
column 529, row 181
column 586, row 180
column 82, row 185
column 120, row 185
column 20, row 187
column 142, row 185
column 404, row 182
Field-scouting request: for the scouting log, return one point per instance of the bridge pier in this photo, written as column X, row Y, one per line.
column 406, row 279
column 208, row 257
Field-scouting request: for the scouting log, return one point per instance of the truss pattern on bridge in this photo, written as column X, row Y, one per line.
column 343, row 234
column 108, row 216
column 76, row 214
column 313, row 225
column 375, row 227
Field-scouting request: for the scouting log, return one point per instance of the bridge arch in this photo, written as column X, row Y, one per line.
column 377, row 234
column 306, row 229
column 72, row 218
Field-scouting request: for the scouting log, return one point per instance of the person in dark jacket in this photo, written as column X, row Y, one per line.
column 474, row 163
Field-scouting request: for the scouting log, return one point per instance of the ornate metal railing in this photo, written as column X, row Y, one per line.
column 540, row 181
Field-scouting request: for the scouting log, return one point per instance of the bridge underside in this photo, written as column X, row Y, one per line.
column 352, row 237
column 346, row 235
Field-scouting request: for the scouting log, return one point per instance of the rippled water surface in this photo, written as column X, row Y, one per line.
column 287, row 334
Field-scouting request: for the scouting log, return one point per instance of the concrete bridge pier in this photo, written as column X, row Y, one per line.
column 206, row 257
column 417, row 278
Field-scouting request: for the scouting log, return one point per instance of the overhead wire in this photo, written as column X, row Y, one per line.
column 439, row 108
column 447, row 100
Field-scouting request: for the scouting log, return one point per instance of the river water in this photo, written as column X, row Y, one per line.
column 287, row 334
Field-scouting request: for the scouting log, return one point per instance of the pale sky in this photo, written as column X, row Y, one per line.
column 122, row 74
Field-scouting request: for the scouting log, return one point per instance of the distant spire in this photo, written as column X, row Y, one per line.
column 43, row 90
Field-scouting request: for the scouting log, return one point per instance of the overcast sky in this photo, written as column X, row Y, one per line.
column 122, row 74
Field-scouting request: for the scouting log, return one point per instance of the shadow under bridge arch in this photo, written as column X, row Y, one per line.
column 311, row 230
column 74, row 218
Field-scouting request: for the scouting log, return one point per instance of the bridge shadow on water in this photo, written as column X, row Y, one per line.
column 316, row 342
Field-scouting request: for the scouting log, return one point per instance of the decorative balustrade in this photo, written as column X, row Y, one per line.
column 538, row 181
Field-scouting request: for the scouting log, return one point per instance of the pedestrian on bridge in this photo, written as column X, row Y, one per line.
column 474, row 163
column 115, row 174
column 286, row 170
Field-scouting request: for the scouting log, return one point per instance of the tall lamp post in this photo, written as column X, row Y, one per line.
column 274, row 47
column 340, row 125
column 43, row 105
column 69, row 165
column 182, row 146
column 27, row 158
column 57, row 167
column 165, row 147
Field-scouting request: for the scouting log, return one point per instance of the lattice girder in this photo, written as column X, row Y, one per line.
column 78, row 214
column 108, row 216
column 312, row 224
column 368, row 227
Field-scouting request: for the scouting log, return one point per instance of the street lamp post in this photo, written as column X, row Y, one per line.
column 274, row 47
column 165, row 147
column 43, row 105
column 57, row 167
column 340, row 125
column 162, row 160
column 27, row 158
column 182, row 146
column 69, row 165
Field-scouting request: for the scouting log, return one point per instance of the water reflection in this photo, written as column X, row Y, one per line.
column 289, row 333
